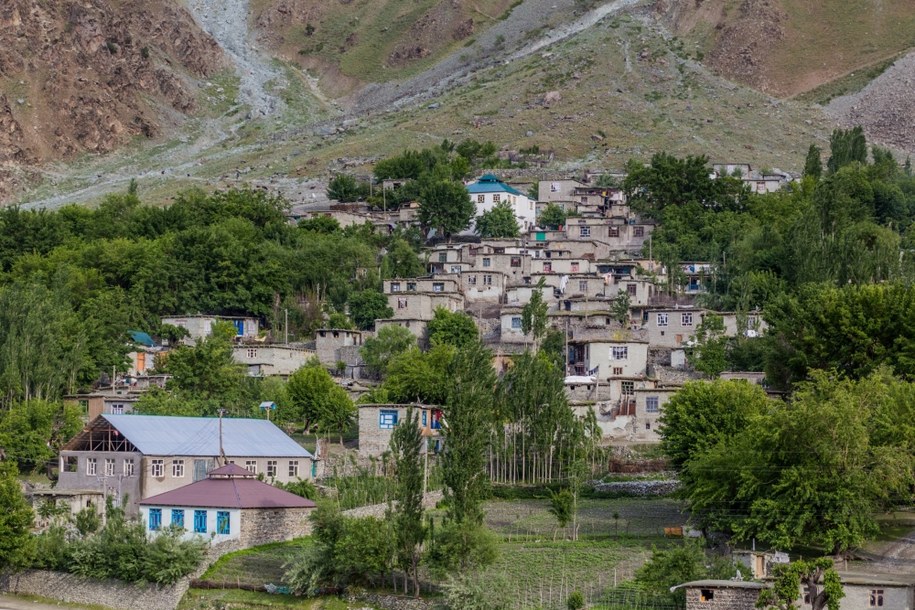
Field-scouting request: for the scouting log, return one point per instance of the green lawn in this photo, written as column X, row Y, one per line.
column 257, row 566
column 198, row 599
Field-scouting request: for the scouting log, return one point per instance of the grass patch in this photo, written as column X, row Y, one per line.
column 199, row 599
column 256, row 566
column 846, row 85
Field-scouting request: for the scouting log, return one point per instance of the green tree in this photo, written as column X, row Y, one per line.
column 316, row 400
column 813, row 164
column 534, row 315
column 320, row 224
column 682, row 563
column 562, row 505
column 391, row 341
column 367, row 306
column 32, row 432
column 709, row 354
column 415, row 376
column 846, row 146
column 445, row 205
column 818, row 578
column 406, row 514
column 620, row 308
column 497, row 222
column 552, row 216
column 453, row 328
column 345, row 189
column 15, row 518
column 401, row 260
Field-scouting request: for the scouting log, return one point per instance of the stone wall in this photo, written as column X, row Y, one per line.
column 638, row 488
column 393, row 602
column 378, row 510
column 91, row 592
column 722, row 598
column 261, row 526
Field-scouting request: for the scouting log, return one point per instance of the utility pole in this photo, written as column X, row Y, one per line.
column 286, row 325
column 222, row 453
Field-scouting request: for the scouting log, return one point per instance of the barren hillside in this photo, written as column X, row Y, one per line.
column 86, row 76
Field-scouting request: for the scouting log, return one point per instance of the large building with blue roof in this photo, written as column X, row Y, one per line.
column 488, row 192
column 137, row 456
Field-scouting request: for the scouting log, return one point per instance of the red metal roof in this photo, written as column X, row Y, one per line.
column 231, row 492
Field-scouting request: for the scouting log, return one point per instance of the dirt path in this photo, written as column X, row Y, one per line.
column 11, row 602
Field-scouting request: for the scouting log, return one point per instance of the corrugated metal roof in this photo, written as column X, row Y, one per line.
column 199, row 436
column 490, row 184
column 229, row 493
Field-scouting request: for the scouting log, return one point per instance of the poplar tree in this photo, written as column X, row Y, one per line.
column 407, row 511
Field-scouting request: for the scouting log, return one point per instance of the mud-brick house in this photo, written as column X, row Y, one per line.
column 722, row 594
column 229, row 505
column 132, row 457
column 377, row 423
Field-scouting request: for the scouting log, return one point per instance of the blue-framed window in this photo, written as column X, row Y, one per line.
column 155, row 519
column 387, row 419
column 222, row 522
column 424, row 419
column 200, row 521
column 651, row 404
column 178, row 517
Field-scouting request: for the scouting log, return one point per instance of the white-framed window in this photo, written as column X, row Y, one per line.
column 651, row 404
column 516, row 322
column 157, row 468
column 128, row 468
column 583, row 285
column 481, row 198
column 438, row 287
column 487, row 280
column 686, row 319
column 109, row 467
column 662, row 319
column 178, row 469
column 619, row 352
column 387, row 419
column 117, row 409
column 395, row 286
column 496, row 198
column 271, row 468
column 455, row 268
column 293, row 468
column 584, row 231
column 627, row 387
column 251, row 466
column 91, row 467
column 487, row 262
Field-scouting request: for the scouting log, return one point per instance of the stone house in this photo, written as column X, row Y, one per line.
column 514, row 265
column 561, row 266
column 672, row 327
column 696, row 277
column 229, row 505
column 200, row 326
column 435, row 285
column 138, row 456
column 649, row 406
column 722, row 594
column 580, row 248
column 377, row 423
column 414, row 325
column 541, row 235
column 272, row 359
column 488, row 192
column 483, row 286
column 560, row 191
column 329, row 342
column 116, row 401
column 510, row 325
column 621, row 357
column 422, row 305
column 877, row 591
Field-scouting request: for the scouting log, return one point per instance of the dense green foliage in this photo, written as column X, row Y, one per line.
column 316, row 401
column 818, row 578
column 454, row 328
column 552, row 216
column 680, row 564
column 498, row 222
column 390, row 342
column 15, row 519
column 32, row 432
column 406, row 513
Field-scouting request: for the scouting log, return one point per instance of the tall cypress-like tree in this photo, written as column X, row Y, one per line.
column 813, row 164
column 15, row 517
column 407, row 512
column 846, row 146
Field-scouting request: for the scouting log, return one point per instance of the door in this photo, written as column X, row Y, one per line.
column 239, row 327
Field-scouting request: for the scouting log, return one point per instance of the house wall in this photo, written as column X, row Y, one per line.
column 329, row 340
column 263, row 526
column 280, row 360
column 672, row 327
column 894, row 597
column 557, row 190
column 199, row 327
column 725, row 599
column 600, row 354
column 560, row 266
column 118, row 485
column 211, row 534
column 521, row 206
column 415, row 326
column 482, row 286
column 375, row 440
column 421, row 306
column 511, row 331
column 646, row 423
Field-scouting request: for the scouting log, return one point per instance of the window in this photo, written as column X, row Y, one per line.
column 178, row 469
column 442, row 257
column 516, row 323
column 662, row 319
column 471, row 280
column 515, row 261
column 200, row 522
column 411, row 286
column 293, row 468
column 401, row 303
column 554, row 187
column 155, row 519
column 631, row 289
column 178, row 517
column 438, row 287
column 455, row 268
column 617, row 370
column 128, row 468
column 109, row 467
column 117, row 409
column 583, row 285
column 648, row 425
column 547, row 267
column 251, row 466
column 619, row 352
column 387, row 419
column 395, row 286
column 496, row 198
column 487, row 280
column 876, row 598
column 575, row 267
column 651, row 404
column 271, row 468
column 686, row 319
column 487, row 262
column 91, row 466
column 613, row 231
column 706, row 595
column 481, row 198
column 627, row 387
column 222, row 522
column 425, row 418
column 252, row 352
column 584, row 231
column 638, row 231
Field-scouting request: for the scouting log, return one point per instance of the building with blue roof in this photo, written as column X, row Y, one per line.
column 133, row 457
column 488, row 192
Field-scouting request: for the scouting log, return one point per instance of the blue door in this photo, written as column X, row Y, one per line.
column 239, row 327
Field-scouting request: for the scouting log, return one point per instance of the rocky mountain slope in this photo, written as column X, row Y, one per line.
column 88, row 75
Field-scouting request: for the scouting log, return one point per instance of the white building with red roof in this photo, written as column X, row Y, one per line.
column 229, row 505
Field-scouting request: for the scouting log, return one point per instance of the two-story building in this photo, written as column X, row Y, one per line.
column 272, row 359
column 377, row 423
column 488, row 192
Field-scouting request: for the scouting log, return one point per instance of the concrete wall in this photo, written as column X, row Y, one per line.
column 118, row 486
column 672, row 327
column 421, row 306
column 328, row 342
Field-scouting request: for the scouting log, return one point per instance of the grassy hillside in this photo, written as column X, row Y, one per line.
column 788, row 47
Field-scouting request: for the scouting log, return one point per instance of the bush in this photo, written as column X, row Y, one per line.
column 461, row 546
column 576, row 601
column 468, row 592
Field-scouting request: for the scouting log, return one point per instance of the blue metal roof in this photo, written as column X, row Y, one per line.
column 141, row 338
column 199, row 436
column 490, row 184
